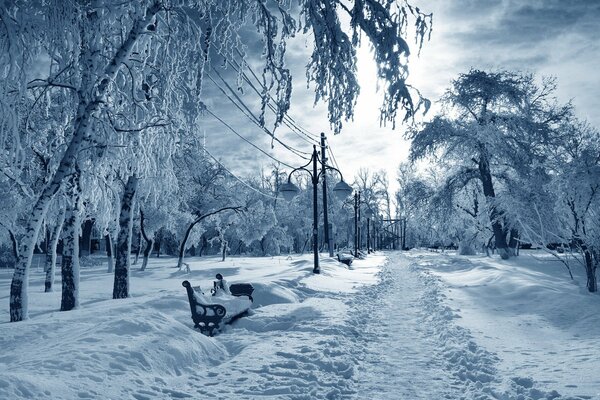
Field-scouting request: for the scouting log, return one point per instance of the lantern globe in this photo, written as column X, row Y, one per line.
column 288, row 190
column 342, row 190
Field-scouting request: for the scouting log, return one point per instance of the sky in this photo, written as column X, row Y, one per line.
column 559, row 38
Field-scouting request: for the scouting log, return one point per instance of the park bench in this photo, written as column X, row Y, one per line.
column 345, row 258
column 209, row 312
column 361, row 255
column 242, row 289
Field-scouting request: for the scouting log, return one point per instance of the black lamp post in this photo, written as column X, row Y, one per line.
column 369, row 215
column 289, row 191
column 356, row 208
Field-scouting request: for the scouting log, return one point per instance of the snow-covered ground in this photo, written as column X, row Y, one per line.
column 409, row 326
column 539, row 323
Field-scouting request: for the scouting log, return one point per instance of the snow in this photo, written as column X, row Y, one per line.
column 414, row 325
column 233, row 305
column 537, row 321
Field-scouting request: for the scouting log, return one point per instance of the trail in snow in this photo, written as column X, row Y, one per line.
column 392, row 340
column 400, row 357
column 414, row 348
column 309, row 337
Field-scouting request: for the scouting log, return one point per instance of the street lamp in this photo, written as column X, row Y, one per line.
column 342, row 190
column 289, row 191
column 369, row 215
column 356, row 208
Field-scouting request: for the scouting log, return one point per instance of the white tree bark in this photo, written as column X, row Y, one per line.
column 50, row 266
column 86, row 110
column 122, row 266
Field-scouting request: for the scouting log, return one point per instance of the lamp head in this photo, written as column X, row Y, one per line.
column 342, row 190
column 288, row 190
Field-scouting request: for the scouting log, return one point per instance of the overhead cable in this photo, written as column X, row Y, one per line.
column 244, row 138
column 248, row 113
column 237, row 177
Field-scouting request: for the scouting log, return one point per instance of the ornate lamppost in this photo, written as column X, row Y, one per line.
column 369, row 214
column 289, row 191
column 356, row 222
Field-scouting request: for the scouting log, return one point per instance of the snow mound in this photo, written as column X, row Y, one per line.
column 293, row 344
column 278, row 317
column 108, row 345
column 273, row 293
column 537, row 321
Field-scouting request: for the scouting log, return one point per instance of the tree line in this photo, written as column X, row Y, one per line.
column 102, row 99
column 505, row 164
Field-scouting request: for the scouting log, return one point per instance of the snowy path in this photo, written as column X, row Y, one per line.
column 392, row 340
column 343, row 334
column 401, row 358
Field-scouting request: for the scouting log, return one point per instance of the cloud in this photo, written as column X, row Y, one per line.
column 548, row 37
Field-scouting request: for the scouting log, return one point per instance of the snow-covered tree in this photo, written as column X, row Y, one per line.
column 490, row 130
column 132, row 67
column 563, row 199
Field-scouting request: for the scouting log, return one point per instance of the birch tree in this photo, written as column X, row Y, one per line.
column 97, row 53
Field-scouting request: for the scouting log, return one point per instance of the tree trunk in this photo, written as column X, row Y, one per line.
column 147, row 251
column 139, row 248
column 70, row 253
column 490, row 195
column 513, row 242
column 158, row 243
column 121, row 283
column 183, row 243
column 110, row 253
column 203, row 242
column 149, row 242
column 15, row 244
column 85, row 243
column 224, row 250
column 19, row 288
column 590, row 270
column 262, row 246
column 50, row 266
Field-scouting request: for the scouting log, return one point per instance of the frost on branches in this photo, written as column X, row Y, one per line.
column 494, row 122
column 512, row 164
column 111, row 86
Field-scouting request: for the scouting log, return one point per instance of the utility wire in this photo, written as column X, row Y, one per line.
column 237, row 177
column 287, row 120
column 254, row 118
column 245, row 139
column 333, row 157
column 248, row 113
column 311, row 136
column 295, row 127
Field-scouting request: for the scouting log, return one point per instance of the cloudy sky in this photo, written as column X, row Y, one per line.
column 548, row 37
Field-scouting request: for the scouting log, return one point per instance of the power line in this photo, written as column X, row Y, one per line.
column 237, row 177
column 287, row 120
column 244, row 139
column 311, row 136
column 333, row 157
column 294, row 126
column 248, row 114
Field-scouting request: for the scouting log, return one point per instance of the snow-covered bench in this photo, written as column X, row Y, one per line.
column 345, row 258
column 208, row 312
column 242, row 289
